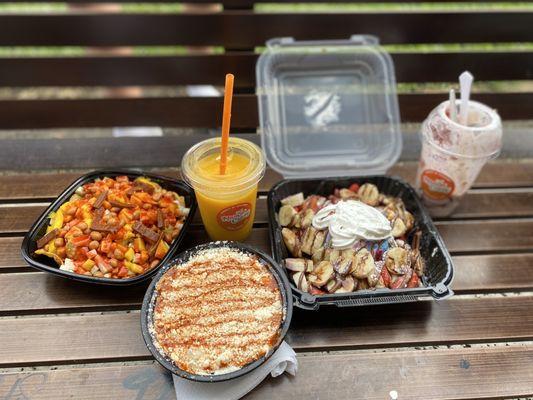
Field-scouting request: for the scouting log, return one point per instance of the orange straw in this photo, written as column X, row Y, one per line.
column 226, row 118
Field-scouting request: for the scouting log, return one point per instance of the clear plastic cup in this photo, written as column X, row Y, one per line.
column 453, row 154
column 226, row 202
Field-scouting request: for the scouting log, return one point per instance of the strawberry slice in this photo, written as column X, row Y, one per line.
column 354, row 187
column 414, row 282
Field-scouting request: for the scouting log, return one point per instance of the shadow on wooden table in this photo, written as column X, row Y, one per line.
column 340, row 325
column 78, row 296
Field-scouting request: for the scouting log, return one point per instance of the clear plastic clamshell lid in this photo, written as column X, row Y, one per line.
column 328, row 108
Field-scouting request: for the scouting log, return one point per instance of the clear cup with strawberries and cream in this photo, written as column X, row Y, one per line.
column 454, row 152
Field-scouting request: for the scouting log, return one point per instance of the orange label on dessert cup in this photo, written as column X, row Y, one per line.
column 235, row 217
column 435, row 185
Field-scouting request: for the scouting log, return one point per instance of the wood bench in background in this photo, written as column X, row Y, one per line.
column 237, row 30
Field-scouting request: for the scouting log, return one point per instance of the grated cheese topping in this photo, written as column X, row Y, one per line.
column 218, row 312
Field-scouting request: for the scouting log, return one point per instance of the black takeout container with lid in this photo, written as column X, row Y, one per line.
column 43, row 263
column 438, row 273
column 151, row 297
column 329, row 109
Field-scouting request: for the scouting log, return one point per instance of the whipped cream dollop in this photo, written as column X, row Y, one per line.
column 349, row 221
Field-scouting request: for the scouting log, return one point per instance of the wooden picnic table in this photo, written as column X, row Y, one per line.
column 64, row 339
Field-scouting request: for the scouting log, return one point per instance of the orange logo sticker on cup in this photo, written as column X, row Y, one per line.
column 235, row 217
column 436, row 185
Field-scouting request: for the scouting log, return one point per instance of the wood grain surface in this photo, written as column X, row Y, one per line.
column 246, row 29
column 205, row 69
column 39, row 292
column 43, row 185
column 200, row 112
column 34, row 340
column 475, row 373
column 18, row 218
column 55, row 323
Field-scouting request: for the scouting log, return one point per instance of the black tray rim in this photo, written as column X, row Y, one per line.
column 32, row 234
column 150, row 296
column 308, row 301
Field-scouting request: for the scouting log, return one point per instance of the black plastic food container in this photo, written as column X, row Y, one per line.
column 43, row 263
column 151, row 296
column 439, row 268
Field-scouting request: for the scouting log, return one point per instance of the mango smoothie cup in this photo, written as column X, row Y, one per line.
column 226, row 202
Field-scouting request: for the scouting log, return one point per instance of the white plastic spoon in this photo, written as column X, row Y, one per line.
column 465, row 81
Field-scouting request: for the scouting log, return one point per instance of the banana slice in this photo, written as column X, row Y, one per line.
column 318, row 255
column 348, row 284
column 307, row 219
column 294, row 200
column 373, row 278
column 369, row 194
column 292, row 242
column 296, row 264
column 296, row 221
column 398, row 228
column 362, row 264
column 333, row 285
column 334, row 255
column 343, row 265
column 286, row 214
column 319, row 241
column 308, row 239
column 322, row 273
column 301, row 281
column 397, row 260
column 346, row 194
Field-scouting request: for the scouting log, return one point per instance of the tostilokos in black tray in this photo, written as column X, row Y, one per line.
column 111, row 227
column 356, row 241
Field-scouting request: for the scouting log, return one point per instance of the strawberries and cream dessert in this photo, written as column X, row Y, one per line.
column 217, row 312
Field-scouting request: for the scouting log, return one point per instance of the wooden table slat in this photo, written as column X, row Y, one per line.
column 428, row 374
column 48, row 185
column 116, row 336
column 205, row 69
column 504, row 235
column 196, row 112
column 39, row 292
column 17, row 218
column 245, row 29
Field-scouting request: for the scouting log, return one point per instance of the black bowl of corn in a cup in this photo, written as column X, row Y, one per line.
column 150, row 298
column 38, row 230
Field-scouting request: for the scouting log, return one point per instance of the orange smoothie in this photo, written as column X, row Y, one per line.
column 226, row 202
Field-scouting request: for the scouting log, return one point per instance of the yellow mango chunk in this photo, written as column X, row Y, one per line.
column 88, row 265
column 129, row 254
column 135, row 268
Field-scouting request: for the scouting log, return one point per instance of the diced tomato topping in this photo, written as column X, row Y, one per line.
column 414, row 281
column 80, row 241
column 354, row 187
column 313, row 203
column 91, row 254
column 386, row 276
column 315, row 291
column 398, row 283
column 105, row 246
